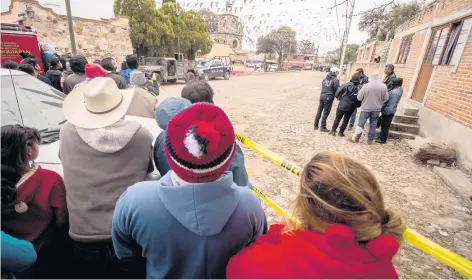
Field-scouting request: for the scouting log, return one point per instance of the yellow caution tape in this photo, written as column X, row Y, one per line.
column 292, row 167
column 460, row 264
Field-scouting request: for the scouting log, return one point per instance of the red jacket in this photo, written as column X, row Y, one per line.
column 308, row 254
column 45, row 197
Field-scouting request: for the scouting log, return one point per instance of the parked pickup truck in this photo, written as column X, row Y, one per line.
column 216, row 67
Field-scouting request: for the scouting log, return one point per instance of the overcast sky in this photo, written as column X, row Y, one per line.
column 312, row 19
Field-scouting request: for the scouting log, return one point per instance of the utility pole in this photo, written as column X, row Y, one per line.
column 346, row 36
column 71, row 28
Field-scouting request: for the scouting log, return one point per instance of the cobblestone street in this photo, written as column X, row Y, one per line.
column 277, row 111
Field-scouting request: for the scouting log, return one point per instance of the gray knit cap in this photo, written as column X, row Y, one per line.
column 137, row 78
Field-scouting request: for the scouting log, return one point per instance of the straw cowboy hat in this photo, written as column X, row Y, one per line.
column 97, row 104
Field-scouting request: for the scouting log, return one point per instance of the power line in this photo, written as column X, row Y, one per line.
column 337, row 18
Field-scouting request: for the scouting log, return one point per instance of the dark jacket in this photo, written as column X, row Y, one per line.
column 44, row 79
column 388, row 81
column 54, row 75
column 347, row 93
column 330, row 85
column 119, row 80
column 363, row 80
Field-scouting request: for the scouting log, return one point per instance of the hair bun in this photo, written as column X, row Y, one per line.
column 393, row 225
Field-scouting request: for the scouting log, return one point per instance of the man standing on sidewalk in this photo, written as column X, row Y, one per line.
column 389, row 76
column 372, row 95
column 329, row 87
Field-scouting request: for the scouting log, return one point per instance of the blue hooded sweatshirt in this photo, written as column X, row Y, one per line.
column 170, row 107
column 188, row 231
column 17, row 255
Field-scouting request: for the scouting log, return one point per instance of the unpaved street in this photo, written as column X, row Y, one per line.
column 277, row 111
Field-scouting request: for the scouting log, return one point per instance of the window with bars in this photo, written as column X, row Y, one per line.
column 448, row 43
column 405, row 47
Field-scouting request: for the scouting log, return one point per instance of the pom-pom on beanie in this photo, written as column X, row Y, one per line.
column 200, row 143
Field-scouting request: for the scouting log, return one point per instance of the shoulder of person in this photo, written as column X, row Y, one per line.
column 143, row 135
column 139, row 196
column 66, row 128
column 251, row 200
column 52, row 175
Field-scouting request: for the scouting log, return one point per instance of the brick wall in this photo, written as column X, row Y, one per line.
column 407, row 70
column 442, row 7
column 451, row 94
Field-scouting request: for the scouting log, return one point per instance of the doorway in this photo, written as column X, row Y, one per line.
column 440, row 48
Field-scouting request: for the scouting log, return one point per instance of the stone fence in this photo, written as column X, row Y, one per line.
column 96, row 39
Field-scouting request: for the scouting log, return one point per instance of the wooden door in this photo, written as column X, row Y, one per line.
column 422, row 82
column 436, row 47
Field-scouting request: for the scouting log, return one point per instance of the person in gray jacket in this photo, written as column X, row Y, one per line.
column 389, row 109
column 166, row 110
column 372, row 96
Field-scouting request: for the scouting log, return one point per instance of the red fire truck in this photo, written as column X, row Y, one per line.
column 16, row 39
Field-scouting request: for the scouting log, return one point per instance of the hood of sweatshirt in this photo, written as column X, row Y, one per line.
column 109, row 139
column 331, row 75
column 375, row 77
column 202, row 208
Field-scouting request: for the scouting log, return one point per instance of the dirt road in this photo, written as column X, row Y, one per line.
column 277, row 111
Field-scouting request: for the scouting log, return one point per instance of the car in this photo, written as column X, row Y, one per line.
column 273, row 67
column 308, row 66
column 29, row 102
column 219, row 67
column 295, row 68
column 166, row 69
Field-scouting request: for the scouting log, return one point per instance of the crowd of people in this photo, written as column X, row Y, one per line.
column 104, row 218
column 378, row 102
column 64, row 72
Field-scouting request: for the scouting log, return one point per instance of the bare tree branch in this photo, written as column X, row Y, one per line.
column 380, row 8
column 336, row 5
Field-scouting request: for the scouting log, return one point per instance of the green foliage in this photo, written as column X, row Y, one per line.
column 379, row 22
column 333, row 57
column 280, row 41
column 307, row 47
column 156, row 31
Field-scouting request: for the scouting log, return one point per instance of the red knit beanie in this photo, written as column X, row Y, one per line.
column 94, row 70
column 200, row 143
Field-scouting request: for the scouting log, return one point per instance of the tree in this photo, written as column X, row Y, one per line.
column 190, row 29
column 156, row 31
column 279, row 41
column 378, row 22
column 211, row 19
column 333, row 57
column 307, row 47
column 150, row 30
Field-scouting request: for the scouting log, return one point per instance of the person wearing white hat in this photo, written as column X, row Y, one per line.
column 144, row 101
column 102, row 155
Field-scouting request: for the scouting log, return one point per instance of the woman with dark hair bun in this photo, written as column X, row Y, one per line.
column 33, row 199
